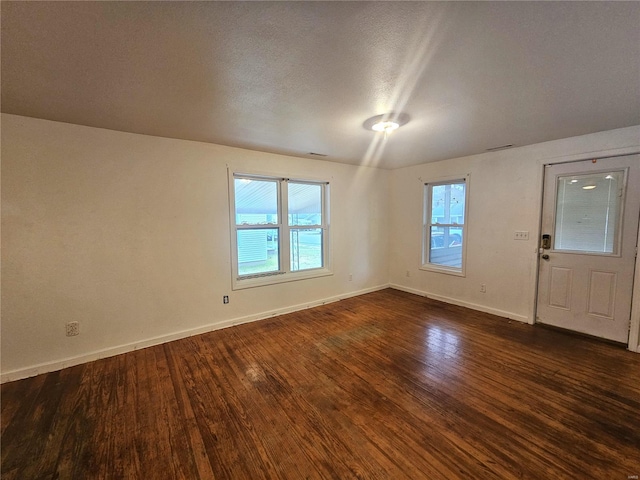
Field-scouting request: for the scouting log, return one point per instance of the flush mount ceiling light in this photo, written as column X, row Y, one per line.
column 588, row 187
column 387, row 122
column 384, row 126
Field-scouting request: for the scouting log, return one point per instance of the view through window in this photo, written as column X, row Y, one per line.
column 444, row 224
column 269, row 242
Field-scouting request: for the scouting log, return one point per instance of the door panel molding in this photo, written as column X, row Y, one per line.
column 560, row 280
column 602, row 291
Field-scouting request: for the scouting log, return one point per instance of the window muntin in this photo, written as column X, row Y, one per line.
column 444, row 226
column 281, row 229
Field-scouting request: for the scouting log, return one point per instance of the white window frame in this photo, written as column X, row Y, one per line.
column 427, row 224
column 284, row 274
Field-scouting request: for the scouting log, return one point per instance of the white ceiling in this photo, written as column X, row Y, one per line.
column 300, row 77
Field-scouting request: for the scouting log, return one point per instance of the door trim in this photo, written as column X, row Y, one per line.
column 634, row 328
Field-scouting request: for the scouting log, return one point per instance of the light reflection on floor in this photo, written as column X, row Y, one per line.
column 441, row 342
column 442, row 353
column 438, row 363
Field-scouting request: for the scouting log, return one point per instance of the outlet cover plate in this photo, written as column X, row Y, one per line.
column 73, row 329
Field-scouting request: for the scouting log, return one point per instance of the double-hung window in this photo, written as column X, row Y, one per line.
column 444, row 232
column 281, row 229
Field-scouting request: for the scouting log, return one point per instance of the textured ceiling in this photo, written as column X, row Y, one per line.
column 300, row 77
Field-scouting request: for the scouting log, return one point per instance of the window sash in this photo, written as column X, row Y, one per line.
column 298, row 258
column 284, row 230
column 455, row 262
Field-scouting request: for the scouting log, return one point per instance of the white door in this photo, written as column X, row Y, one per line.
column 588, row 246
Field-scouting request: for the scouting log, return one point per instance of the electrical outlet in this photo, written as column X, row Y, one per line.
column 73, row 329
column 408, row 273
column 483, row 288
column 521, row 235
column 351, row 277
column 225, row 299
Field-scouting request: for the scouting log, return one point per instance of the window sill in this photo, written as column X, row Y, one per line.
column 442, row 269
column 240, row 284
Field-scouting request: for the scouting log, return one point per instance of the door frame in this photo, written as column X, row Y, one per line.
column 634, row 328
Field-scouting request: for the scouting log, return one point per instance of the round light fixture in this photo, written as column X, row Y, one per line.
column 384, row 126
column 588, row 187
column 387, row 122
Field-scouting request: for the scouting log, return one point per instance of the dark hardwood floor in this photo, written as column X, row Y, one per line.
column 386, row 385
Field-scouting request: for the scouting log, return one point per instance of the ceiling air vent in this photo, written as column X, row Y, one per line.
column 501, row 147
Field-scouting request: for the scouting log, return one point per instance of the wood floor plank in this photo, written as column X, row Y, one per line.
column 387, row 385
column 180, row 378
column 314, row 398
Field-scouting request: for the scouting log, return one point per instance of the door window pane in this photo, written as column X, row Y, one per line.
column 588, row 212
column 306, row 248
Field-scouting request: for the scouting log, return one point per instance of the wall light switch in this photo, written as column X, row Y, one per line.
column 521, row 235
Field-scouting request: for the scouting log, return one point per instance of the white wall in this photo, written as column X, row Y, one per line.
column 504, row 196
column 129, row 235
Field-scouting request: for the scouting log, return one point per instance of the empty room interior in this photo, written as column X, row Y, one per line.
column 306, row 240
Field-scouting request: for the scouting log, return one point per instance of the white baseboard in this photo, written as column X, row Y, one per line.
column 461, row 303
column 47, row 367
